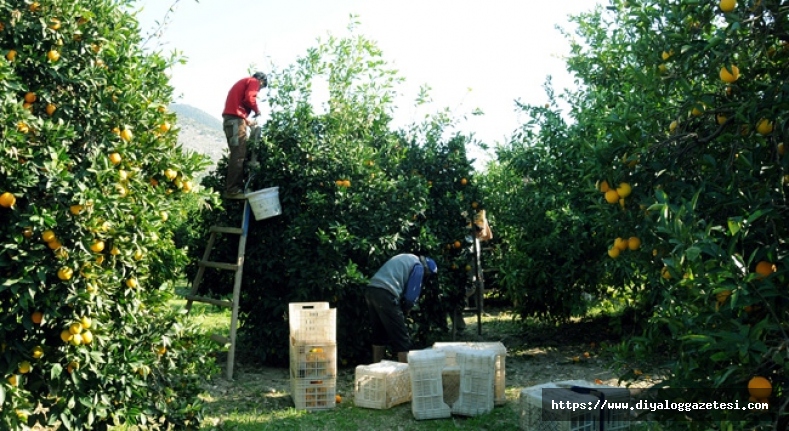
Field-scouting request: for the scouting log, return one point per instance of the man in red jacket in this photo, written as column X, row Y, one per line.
column 241, row 101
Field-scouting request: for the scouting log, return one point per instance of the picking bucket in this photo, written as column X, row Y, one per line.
column 265, row 203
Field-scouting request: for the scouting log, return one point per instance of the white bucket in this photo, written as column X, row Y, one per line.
column 265, row 203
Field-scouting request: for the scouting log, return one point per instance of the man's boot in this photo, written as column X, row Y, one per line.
column 378, row 353
column 402, row 357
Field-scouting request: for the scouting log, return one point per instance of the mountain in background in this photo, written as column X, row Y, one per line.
column 200, row 132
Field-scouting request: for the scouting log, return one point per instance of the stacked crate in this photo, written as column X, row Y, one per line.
column 382, row 385
column 452, row 370
column 476, row 382
column 313, row 355
column 427, row 395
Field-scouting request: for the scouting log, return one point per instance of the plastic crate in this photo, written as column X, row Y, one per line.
column 427, row 394
column 500, row 377
column 312, row 323
column 313, row 361
column 382, row 385
column 476, row 382
column 313, row 394
column 450, row 381
column 613, row 420
column 532, row 417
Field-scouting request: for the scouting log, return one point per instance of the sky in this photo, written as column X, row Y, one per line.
column 472, row 54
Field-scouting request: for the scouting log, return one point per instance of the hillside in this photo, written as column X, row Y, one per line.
column 200, row 131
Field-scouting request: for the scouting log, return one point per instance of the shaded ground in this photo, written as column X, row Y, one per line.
column 573, row 351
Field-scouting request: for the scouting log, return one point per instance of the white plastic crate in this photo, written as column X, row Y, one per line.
column 613, row 419
column 313, row 394
column 382, row 385
column 534, row 419
column 312, row 323
column 427, row 394
column 476, row 382
column 313, row 361
column 450, row 381
column 499, row 379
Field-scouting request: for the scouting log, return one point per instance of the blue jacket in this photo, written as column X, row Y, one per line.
column 402, row 276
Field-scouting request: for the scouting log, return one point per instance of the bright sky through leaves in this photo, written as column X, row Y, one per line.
column 473, row 55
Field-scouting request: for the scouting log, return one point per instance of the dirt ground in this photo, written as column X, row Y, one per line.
column 572, row 351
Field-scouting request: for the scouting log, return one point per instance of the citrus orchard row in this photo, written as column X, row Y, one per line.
column 89, row 172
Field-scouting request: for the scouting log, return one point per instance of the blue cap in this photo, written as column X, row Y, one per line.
column 431, row 265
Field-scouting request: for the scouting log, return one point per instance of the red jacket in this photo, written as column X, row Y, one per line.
column 241, row 99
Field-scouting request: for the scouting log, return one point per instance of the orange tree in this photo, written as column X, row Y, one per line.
column 86, row 213
column 682, row 118
column 353, row 192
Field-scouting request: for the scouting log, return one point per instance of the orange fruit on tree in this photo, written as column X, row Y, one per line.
column 27, row 232
column 72, row 366
column 759, row 387
column 764, row 269
column 781, row 148
column 75, row 209
column 66, row 335
column 54, row 24
column 727, row 5
column 126, row 135
column 87, row 337
column 35, row 6
column 621, row 244
column 665, row 273
column 131, row 283
column 75, row 328
column 673, row 126
column 22, row 127
column 10, row 55
column 48, row 235
column 474, row 205
column 456, row 244
column 611, row 196
column 633, row 243
column 65, row 273
column 53, row 56
column 666, row 55
column 604, row 187
column 54, row 244
column 764, row 126
column 12, row 380
column 50, row 109
column 337, row 399
column 97, row 246
column 37, row 352
column 24, row 367
column 613, row 252
column 720, row 119
column 186, row 187
column 624, row 190
column 164, row 127
column 170, row 174
column 729, row 74
column 37, row 317
column 30, row 97
column 7, row 200
column 115, row 158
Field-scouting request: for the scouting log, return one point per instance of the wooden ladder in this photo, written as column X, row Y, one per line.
column 238, row 267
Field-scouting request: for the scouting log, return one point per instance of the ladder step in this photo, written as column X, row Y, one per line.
column 221, row 229
column 220, row 339
column 218, row 265
column 217, row 302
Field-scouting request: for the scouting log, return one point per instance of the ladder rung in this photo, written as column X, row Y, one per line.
column 222, row 229
column 219, row 265
column 217, row 302
column 220, row 339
